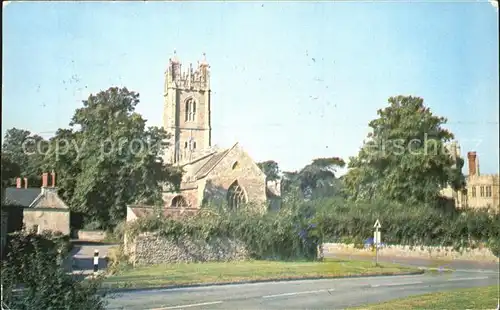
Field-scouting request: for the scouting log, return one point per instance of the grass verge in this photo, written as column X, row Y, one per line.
column 476, row 298
column 169, row 275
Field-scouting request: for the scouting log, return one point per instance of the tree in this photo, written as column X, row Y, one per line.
column 404, row 158
column 27, row 151
column 110, row 158
column 316, row 179
column 10, row 170
column 270, row 169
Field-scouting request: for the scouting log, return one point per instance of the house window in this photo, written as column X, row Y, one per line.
column 190, row 110
column 473, row 191
column 488, row 191
column 236, row 165
column 481, row 191
column 185, row 145
column 194, row 145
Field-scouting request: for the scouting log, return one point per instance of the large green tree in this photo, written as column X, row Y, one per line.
column 405, row 158
column 315, row 180
column 27, row 150
column 271, row 169
column 110, row 159
column 10, row 170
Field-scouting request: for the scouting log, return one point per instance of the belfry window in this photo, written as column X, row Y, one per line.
column 190, row 110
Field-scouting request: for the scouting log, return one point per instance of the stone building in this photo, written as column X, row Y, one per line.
column 211, row 174
column 42, row 208
column 481, row 191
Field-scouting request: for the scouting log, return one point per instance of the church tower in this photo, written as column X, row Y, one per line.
column 186, row 109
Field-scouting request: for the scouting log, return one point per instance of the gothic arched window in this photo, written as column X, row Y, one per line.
column 190, row 110
column 179, row 202
column 235, row 196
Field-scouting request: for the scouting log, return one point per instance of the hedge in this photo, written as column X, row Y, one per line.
column 299, row 227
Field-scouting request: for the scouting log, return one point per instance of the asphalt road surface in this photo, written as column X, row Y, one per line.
column 310, row 294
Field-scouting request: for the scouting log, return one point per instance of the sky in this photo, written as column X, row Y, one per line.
column 291, row 81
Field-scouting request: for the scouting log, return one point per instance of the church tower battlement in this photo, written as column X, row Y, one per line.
column 186, row 110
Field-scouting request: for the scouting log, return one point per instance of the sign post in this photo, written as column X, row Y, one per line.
column 376, row 239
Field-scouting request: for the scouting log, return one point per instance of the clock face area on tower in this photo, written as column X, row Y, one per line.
column 186, row 115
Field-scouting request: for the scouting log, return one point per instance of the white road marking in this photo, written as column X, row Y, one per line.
column 465, row 279
column 396, row 284
column 189, row 306
column 296, row 293
column 477, row 271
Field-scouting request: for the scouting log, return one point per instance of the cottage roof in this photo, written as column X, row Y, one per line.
column 31, row 197
column 23, row 197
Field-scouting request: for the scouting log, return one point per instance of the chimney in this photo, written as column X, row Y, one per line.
column 18, row 183
column 45, row 179
column 25, row 182
column 53, row 175
column 471, row 156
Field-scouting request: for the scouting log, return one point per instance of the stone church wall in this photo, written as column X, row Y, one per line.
column 248, row 175
column 151, row 248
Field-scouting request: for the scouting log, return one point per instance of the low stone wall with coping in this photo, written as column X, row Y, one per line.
column 91, row 235
column 152, row 248
column 433, row 252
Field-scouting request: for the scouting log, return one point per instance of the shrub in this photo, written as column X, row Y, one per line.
column 117, row 260
column 287, row 234
column 95, row 225
column 408, row 225
column 116, row 235
column 34, row 263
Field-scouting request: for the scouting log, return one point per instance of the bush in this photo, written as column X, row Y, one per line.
column 95, row 225
column 116, row 234
column 408, row 225
column 287, row 234
column 295, row 231
column 35, row 263
column 117, row 260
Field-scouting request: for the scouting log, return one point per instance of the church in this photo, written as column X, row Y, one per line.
column 211, row 175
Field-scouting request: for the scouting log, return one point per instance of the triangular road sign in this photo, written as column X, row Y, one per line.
column 377, row 224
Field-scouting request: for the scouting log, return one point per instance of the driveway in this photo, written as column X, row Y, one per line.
column 81, row 258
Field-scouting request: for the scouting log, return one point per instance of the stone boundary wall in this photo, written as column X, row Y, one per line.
column 444, row 253
column 91, row 235
column 151, row 248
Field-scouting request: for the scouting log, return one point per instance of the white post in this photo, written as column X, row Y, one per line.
column 376, row 239
column 96, row 261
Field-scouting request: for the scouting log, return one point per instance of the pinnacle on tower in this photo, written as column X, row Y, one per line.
column 204, row 60
column 174, row 59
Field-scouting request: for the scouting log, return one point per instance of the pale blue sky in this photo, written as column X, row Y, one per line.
column 268, row 93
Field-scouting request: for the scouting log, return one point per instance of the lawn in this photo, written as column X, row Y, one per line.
column 224, row 272
column 476, row 298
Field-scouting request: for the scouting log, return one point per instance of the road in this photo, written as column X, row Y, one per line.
column 310, row 294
